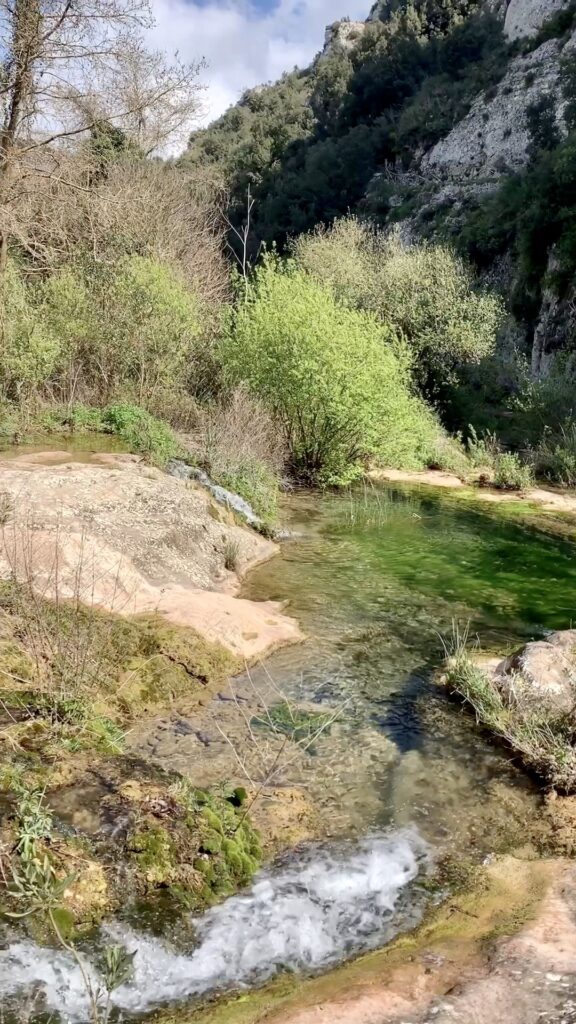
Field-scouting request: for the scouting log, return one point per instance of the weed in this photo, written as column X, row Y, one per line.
column 541, row 737
column 231, row 554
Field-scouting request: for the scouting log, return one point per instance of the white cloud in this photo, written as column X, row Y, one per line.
column 245, row 45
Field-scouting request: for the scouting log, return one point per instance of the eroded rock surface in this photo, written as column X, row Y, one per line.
column 120, row 535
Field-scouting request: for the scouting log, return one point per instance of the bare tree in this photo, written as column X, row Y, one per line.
column 67, row 65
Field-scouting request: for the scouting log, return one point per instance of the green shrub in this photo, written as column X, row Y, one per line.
column 141, row 432
column 130, row 329
column 424, row 292
column 510, row 473
column 555, row 455
column 336, row 379
column 30, row 349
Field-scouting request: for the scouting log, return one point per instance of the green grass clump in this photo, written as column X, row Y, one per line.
column 555, row 455
column 257, row 484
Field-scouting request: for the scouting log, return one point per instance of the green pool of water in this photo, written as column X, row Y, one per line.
column 377, row 580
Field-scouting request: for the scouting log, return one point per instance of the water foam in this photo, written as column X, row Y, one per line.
column 323, row 906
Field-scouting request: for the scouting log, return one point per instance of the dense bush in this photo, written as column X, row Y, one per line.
column 142, row 432
column 336, row 379
column 30, row 350
column 510, row 473
column 424, row 292
column 131, row 330
column 128, row 330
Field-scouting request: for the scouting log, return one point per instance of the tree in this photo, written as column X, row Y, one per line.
column 66, row 67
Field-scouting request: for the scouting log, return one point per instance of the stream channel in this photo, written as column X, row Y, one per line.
column 400, row 781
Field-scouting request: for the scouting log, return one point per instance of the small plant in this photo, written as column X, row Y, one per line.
column 6, row 508
column 511, row 474
column 483, row 451
column 555, row 455
column 542, row 738
column 231, row 554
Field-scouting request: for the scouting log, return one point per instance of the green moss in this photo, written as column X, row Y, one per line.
column 153, row 851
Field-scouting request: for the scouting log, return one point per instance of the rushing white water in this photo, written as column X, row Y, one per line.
column 323, row 906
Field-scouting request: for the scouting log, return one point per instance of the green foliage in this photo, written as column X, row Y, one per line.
column 510, row 473
column 310, row 144
column 424, row 292
column 531, row 213
column 131, row 329
column 142, row 432
column 555, row 455
column 542, row 124
column 336, row 379
column 30, row 348
column 257, row 484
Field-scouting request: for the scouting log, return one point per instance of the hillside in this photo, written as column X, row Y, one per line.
column 454, row 119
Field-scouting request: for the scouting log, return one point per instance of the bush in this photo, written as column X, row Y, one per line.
column 510, row 473
column 141, row 432
column 337, row 380
column 240, row 445
column 132, row 329
column 424, row 292
column 555, row 455
column 30, row 349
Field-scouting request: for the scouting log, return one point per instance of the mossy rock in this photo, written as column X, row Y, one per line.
column 203, row 848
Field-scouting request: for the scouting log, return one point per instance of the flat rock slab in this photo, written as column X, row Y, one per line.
column 123, row 536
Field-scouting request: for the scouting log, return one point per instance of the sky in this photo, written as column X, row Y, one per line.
column 246, row 44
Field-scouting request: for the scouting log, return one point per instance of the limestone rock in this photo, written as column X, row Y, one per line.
column 543, row 671
column 524, row 18
column 493, row 137
column 342, row 36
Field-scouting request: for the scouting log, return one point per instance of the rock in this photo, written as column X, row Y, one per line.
column 543, row 671
column 524, row 18
column 130, row 539
column 493, row 137
column 342, row 36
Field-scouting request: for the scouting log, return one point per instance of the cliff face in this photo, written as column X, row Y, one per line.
column 493, row 138
column 524, row 18
column 492, row 141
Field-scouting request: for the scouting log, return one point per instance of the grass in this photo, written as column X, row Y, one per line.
column 542, row 738
column 73, row 676
column 231, row 555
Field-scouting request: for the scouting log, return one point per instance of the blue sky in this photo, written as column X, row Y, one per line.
column 246, row 43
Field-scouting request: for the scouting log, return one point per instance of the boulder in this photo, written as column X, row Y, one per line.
column 543, row 671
